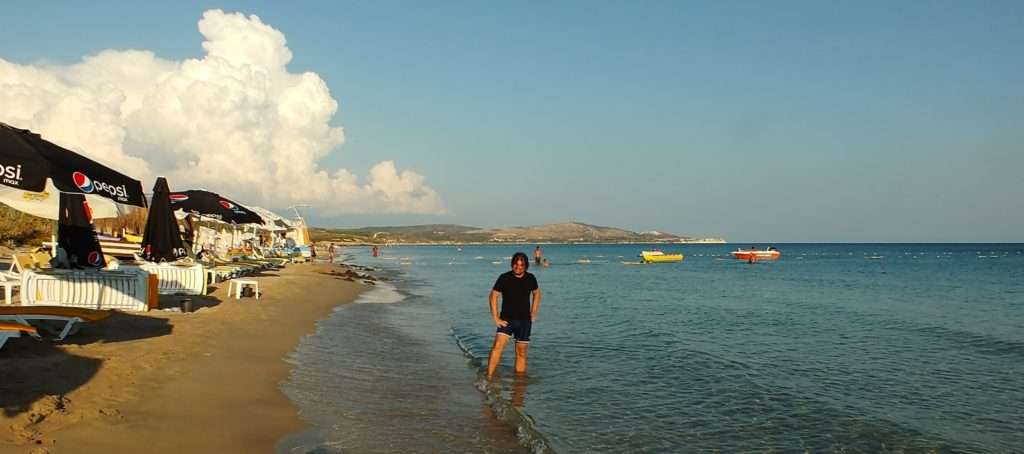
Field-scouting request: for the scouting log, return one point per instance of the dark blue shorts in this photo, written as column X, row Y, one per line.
column 519, row 329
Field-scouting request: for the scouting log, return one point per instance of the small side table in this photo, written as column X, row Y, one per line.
column 239, row 284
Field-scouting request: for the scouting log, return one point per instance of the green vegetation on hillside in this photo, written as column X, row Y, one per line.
column 23, row 228
column 566, row 232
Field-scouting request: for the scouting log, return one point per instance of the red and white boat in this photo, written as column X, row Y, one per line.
column 756, row 254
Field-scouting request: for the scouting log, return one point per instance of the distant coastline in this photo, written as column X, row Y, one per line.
column 505, row 243
column 451, row 234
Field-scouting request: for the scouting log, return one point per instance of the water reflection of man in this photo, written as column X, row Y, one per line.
column 517, row 313
column 518, row 392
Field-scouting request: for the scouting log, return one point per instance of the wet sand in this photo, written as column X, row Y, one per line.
column 206, row 381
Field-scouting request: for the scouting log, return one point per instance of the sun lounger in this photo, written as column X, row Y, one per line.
column 71, row 317
column 12, row 277
column 10, row 330
column 244, row 267
column 41, row 259
column 250, row 256
column 220, row 273
column 9, row 284
column 19, row 263
column 226, row 267
column 174, row 278
column 276, row 261
column 91, row 289
column 244, row 261
column 120, row 249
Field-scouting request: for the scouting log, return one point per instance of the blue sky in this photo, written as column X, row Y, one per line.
column 756, row 121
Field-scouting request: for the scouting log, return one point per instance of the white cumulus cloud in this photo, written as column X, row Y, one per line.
column 234, row 121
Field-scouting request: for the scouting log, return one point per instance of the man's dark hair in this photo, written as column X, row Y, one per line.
column 519, row 256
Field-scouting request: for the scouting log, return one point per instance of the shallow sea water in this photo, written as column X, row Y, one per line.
column 833, row 348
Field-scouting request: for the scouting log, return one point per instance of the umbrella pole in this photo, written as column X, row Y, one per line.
column 199, row 228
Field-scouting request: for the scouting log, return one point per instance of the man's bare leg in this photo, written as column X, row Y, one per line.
column 521, row 348
column 499, row 345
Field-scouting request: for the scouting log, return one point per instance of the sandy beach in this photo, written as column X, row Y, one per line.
column 206, row 381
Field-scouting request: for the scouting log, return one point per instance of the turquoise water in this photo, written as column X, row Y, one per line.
column 833, row 348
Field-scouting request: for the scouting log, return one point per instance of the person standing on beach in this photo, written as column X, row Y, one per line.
column 517, row 288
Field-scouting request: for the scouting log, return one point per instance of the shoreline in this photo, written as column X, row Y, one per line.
column 206, row 381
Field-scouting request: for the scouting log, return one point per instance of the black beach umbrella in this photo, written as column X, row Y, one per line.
column 212, row 205
column 162, row 240
column 75, row 233
column 27, row 161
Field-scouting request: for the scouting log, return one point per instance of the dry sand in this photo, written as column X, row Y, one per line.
column 206, row 381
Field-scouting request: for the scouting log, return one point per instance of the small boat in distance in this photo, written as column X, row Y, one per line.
column 753, row 254
column 660, row 257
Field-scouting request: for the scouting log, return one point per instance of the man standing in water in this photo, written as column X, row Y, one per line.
column 517, row 313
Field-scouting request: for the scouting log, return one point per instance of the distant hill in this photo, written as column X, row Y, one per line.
column 565, row 232
column 430, row 233
column 568, row 232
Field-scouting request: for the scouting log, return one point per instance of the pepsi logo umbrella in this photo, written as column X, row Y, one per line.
column 33, row 169
column 213, row 205
column 45, row 179
column 161, row 241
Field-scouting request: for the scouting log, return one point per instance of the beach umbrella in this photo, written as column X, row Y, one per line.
column 75, row 233
column 31, row 167
column 213, row 205
column 161, row 241
column 47, row 180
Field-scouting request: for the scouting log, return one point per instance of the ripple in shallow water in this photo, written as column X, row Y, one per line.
column 366, row 384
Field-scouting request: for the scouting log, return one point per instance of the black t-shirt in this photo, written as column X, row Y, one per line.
column 515, row 295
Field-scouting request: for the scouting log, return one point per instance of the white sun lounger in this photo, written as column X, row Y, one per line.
column 9, row 284
column 126, row 290
column 174, row 278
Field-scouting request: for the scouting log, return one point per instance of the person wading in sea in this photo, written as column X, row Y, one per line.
column 517, row 313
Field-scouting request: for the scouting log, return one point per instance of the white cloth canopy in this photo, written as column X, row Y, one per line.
column 272, row 221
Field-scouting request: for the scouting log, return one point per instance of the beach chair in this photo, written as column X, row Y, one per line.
column 68, row 318
column 219, row 273
column 243, row 265
column 120, row 249
column 9, row 330
column 276, row 261
column 239, row 258
column 20, row 262
column 41, row 258
column 11, row 279
column 224, row 266
column 9, row 284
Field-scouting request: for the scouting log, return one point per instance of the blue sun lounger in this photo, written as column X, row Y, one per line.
column 9, row 330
